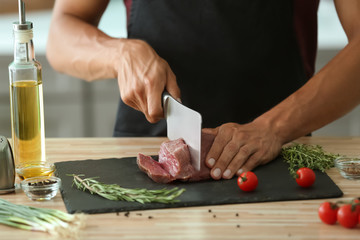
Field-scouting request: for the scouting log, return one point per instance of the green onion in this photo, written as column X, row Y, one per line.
column 40, row 219
column 116, row 193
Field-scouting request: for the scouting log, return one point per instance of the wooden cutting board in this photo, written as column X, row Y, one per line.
column 275, row 184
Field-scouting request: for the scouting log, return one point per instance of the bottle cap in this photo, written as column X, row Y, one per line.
column 17, row 26
column 23, row 33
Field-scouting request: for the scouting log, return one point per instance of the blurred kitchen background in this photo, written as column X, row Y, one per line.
column 75, row 108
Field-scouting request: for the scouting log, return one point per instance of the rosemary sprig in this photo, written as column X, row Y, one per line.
column 116, row 193
column 312, row 156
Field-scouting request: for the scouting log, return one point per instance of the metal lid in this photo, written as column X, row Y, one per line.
column 22, row 26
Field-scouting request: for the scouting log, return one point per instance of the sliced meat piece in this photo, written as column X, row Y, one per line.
column 207, row 140
column 174, row 157
column 175, row 161
column 153, row 169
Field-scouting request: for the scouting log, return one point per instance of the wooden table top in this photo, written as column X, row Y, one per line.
column 270, row 220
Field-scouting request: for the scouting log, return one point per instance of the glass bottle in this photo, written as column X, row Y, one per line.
column 27, row 109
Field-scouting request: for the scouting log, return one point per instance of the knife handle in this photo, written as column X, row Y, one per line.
column 165, row 96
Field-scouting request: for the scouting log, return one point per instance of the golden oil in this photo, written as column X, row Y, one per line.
column 27, row 109
column 28, row 132
column 35, row 170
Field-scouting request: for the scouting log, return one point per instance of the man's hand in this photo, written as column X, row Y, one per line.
column 240, row 148
column 88, row 53
column 142, row 78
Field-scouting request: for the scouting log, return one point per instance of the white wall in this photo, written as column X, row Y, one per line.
column 331, row 39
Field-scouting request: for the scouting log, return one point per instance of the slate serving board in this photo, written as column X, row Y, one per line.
column 275, row 184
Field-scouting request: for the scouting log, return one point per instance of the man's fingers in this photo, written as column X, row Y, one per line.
column 133, row 98
column 143, row 78
column 220, row 141
column 155, row 89
column 231, row 166
column 230, row 150
column 250, row 164
column 171, row 85
column 212, row 131
column 154, row 107
column 243, row 156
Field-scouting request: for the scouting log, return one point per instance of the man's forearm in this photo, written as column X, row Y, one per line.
column 331, row 93
column 81, row 49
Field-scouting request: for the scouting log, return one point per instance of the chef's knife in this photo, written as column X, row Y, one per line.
column 183, row 122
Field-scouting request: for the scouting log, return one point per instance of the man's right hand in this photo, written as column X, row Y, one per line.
column 143, row 76
column 78, row 48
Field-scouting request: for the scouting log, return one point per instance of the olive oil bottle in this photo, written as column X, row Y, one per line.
column 26, row 99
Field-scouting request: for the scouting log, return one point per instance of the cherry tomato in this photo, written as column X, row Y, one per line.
column 247, row 181
column 348, row 216
column 328, row 212
column 305, row 177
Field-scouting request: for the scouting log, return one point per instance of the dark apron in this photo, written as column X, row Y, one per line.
column 233, row 59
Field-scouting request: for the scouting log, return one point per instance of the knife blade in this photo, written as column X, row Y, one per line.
column 183, row 122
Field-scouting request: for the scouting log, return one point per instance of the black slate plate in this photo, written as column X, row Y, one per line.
column 275, row 184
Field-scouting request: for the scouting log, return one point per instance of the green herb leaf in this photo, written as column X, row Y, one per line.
column 40, row 219
column 116, row 193
column 311, row 156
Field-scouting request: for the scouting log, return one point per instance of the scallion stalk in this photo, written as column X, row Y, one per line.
column 40, row 219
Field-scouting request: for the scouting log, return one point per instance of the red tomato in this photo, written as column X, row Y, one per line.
column 348, row 216
column 306, row 177
column 247, row 181
column 328, row 212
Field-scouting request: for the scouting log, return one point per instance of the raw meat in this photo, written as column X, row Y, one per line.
column 174, row 157
column 206, row 143
column 153, row 169
column 175, row 161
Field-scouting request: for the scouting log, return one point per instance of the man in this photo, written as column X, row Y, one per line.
column 246, row 66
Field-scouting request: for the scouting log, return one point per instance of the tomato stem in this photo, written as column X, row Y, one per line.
column 354, row 206
column 352, row 202
column 244, row 178
column 333, row 206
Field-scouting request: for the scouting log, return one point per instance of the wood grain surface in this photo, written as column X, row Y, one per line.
column 271, row 220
